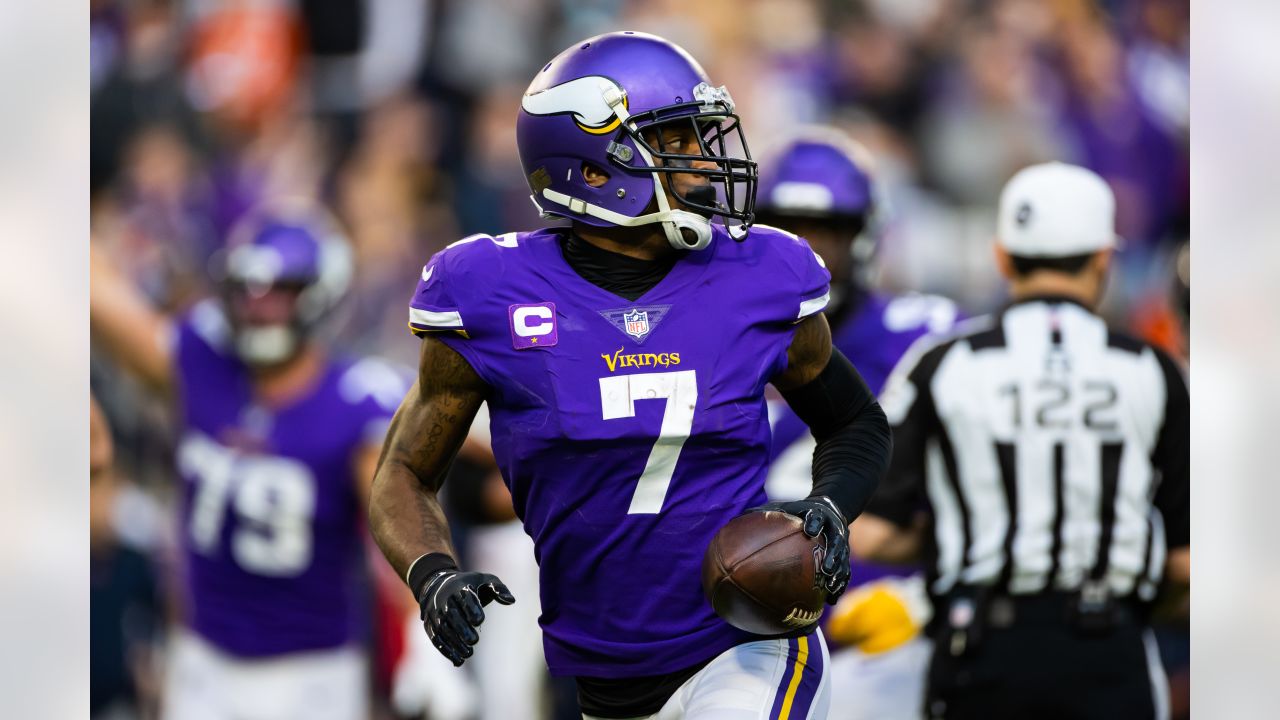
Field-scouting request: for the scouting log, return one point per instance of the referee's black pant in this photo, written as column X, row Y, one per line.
column 1041, row 667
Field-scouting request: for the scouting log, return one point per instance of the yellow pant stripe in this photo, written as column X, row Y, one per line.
column 802, row 655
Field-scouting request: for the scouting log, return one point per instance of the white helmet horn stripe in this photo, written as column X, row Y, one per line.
column 586, row 98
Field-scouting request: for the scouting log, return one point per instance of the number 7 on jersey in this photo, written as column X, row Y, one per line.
column 618, row 397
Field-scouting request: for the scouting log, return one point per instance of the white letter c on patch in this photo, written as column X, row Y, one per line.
column 524, row 328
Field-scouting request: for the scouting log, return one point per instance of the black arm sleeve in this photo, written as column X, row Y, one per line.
column 853, row 436
column 913, row 420
column 1171, row 457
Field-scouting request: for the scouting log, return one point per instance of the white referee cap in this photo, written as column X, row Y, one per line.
column 1056, row 210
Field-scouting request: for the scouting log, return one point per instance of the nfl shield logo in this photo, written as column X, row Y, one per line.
column 636, row 323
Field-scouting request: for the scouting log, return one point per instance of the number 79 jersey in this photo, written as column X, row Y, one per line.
column 272, row 543
column 627, row 432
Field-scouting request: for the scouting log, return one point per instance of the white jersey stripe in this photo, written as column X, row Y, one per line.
column 809, row 307
column 432, row 319
column 947, row 520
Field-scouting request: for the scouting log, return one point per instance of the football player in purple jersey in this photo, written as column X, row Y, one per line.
column 277, row 447
column 624, row 359
column 819, row 186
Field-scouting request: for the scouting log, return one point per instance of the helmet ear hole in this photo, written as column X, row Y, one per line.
column 594, row 175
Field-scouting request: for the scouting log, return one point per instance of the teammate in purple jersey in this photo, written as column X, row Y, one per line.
column 819, row 186
column 624, row 361
column 278, row 444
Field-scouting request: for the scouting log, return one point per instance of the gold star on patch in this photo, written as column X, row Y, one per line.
column 533, row 340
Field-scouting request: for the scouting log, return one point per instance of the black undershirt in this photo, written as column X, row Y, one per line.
column 631, row 697
column 622, row 275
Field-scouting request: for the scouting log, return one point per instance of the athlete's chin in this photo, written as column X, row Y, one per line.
column 697, row 192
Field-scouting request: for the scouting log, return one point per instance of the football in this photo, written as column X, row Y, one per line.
column 760, row 573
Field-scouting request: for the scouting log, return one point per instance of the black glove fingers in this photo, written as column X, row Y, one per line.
column 472, row 606
column 834, row 597
column 830, row 557
column 839, row 581
column 814, row 522
column 493, row 589
column 836, row 556
column 444, row 647
column 447, row 639
column 435, row 626
column 842, row 570
column 460, row 631
column 452, row 605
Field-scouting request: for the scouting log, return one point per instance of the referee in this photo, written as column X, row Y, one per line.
column 1040, row 467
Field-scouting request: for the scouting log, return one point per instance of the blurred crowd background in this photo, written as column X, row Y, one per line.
column 400, row 116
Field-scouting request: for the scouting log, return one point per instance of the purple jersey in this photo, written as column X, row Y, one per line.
column 628, row 432
column 271, row 537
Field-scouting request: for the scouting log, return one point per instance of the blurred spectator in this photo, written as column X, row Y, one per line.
column 877, row 67
column 135, row 79
column 124, row 610
column 395, row 199
column 492, row 193
column 486, row 43
column 162, row 212
column 397, row 34
column 244, row 61
column 1163, row 318
column 987, row 120
column 1116, row 135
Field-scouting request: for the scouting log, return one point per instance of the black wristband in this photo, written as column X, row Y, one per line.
column 426, row 566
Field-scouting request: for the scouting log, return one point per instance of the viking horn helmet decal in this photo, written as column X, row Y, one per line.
column 584, row 97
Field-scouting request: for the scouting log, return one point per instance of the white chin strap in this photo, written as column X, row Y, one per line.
column 266, row 345
column 673, row 221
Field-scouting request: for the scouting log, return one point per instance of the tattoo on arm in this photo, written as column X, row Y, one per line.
column 405, row 516
column 808, row 354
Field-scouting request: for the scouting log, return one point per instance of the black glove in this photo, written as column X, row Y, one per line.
column 452, row 605
column 821, row 517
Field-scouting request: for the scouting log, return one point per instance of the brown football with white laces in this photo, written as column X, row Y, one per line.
column 759, row 573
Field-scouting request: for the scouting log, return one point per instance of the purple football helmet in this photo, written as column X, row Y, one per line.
column 820, row 174
column 291, row 257
column 823, row 175
column 592, row 103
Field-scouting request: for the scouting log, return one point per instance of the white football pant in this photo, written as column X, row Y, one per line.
column 205, row 683
column 786, row 679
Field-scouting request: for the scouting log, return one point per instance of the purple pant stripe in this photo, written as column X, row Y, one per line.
column 788, row 669
column 809, row 681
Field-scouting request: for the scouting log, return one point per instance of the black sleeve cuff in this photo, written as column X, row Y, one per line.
column 426, row 566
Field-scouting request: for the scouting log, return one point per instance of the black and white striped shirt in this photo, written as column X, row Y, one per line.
column 1046, row 450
